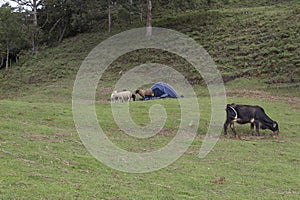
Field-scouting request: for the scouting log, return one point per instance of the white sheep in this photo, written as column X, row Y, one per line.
column 114, row 97
column 124, row 96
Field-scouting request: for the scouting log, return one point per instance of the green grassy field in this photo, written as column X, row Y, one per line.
column 42, row 156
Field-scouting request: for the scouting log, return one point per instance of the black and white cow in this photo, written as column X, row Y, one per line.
column 255, row 115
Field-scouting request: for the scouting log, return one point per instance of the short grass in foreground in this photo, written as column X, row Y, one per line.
column 42, row 157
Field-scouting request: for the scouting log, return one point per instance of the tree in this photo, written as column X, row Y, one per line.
column 11, row 32
column 135, row 7
column 56, row 18
column 63, row 18
column 149, row 18
column 109, row 2
column 33, row 5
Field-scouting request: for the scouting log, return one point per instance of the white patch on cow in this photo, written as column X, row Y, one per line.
column 236, row 115
column 236, row 119
column 252, row 120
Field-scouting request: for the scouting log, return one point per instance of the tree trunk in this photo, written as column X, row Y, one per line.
column 35, row 28
column 7, row 57
column 109, row 16
column 62, row 33
column 2, row 60
column 53, row 27
column 149, row 18
column 141, row 15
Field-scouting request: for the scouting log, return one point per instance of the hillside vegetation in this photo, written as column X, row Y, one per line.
column 259, row 41
column 262, row 42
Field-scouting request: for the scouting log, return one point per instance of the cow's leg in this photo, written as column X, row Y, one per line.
column 257, row 127
column 252, row 129
column 226, row 126
column 233, row 130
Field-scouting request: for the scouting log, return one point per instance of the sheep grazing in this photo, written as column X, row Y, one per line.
column 124, row 96
column 145, row 93
column 114, row 97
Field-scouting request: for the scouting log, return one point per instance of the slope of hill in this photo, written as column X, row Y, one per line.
column 252, row 42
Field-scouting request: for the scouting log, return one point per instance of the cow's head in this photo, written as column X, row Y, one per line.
column 275, row 128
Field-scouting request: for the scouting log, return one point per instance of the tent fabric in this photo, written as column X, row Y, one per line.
column 162, row 90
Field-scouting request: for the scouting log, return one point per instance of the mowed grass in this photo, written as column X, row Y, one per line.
column 42, row 156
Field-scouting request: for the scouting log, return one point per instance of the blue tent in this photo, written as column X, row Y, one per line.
column 162, row 90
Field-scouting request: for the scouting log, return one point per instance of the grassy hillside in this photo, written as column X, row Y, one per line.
column 253, row 42
column 249, row 42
